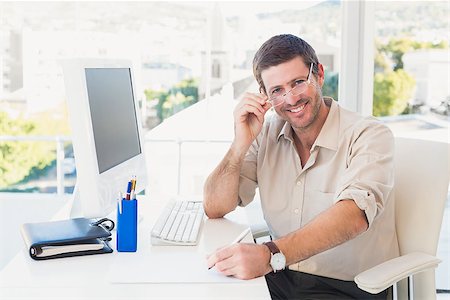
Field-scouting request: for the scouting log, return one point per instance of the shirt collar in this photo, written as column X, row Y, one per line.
column 286, row 131
column 329, row 134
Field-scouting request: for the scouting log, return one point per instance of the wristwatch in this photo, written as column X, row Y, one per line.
column 277, row 259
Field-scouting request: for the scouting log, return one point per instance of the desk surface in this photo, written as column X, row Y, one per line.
column 89, row 277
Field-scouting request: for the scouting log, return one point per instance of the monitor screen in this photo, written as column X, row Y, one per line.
column 113, row 115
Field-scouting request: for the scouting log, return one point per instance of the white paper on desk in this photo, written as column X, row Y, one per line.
column 165, row 265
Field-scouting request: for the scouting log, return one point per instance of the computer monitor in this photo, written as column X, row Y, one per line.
column 107, row 135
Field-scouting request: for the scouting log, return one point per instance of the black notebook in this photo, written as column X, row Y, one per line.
column 65, row 238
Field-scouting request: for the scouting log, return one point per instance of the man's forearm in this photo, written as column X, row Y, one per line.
column 340, row 223
column 221, row 187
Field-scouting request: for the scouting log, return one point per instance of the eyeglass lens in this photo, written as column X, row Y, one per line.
column 295, row 91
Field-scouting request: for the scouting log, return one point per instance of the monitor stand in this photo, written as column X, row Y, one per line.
column 75, row 207
column 72, row 209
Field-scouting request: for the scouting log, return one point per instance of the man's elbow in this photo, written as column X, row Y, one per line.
column 214, row 211
column 209, row 209
column 211, row 212
column 213, row 215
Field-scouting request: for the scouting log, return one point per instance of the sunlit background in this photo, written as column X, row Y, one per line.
column 193, row 61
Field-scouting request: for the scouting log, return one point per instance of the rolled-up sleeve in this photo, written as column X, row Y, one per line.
column 248, row 177
column 369, row 177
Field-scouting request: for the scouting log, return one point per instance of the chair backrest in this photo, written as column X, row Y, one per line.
column 421, row 187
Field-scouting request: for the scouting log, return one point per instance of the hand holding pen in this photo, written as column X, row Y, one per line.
column 237, row 240
column 241, row 260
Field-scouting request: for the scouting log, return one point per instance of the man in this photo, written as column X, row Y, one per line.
column 325, row 177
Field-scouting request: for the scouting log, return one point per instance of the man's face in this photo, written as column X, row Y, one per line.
column 302, row 110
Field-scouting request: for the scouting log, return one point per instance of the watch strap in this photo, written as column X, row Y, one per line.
column 272, row 247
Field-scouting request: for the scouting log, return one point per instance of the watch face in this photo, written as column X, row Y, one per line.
column 278, row 261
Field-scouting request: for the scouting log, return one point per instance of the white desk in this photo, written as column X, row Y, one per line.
column 89, row 277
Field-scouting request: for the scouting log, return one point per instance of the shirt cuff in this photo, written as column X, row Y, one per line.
column 365, row 200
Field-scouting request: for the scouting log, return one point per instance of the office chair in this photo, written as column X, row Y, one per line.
column 421, row 187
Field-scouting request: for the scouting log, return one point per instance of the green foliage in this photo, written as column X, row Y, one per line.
column 177, row 98
column 395, row 49
column 175, row 103
column 19, row 159
column 392, row 91
column 22, row 160
column 381, row 59
column 160, row 96
column 331, row 84
column 188, row 87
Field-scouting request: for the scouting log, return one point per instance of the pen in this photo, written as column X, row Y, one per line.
column 237, row 240
column 240, row 237
column 133, row 183
column 120, row 202
column 128, row 190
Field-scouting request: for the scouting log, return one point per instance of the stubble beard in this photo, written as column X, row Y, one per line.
column 315, row 109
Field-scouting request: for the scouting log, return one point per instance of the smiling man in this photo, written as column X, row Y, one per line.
column 325, row 177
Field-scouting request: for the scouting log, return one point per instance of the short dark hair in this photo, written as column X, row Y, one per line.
column 279, row 49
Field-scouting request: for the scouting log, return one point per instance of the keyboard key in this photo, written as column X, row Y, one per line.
column 158, row 227
column 182, row 228
column 196, row 227
column 189, row 225
column 174, row 228
column 178, row 224
column 169, row 223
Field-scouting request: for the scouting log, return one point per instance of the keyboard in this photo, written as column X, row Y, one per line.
column 179, row 224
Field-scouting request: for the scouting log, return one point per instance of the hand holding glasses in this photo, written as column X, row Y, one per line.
column 278, row 96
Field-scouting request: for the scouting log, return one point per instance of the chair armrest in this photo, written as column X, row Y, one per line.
column 259, row 230
column 386, row 274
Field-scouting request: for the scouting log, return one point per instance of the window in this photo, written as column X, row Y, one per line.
column 185, row 52
column 411, row 53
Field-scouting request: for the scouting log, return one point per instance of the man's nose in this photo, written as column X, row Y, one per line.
column 290, row 99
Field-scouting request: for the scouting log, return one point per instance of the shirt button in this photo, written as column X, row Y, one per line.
column 296, row 210
column 299, row 182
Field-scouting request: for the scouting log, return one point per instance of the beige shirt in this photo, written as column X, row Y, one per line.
column 352, row 158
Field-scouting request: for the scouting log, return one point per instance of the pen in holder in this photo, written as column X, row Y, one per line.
column 127, row 225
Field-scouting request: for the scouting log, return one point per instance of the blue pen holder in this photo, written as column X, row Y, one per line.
column 127, row 226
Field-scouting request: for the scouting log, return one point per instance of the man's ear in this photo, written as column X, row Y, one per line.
column 320, row 75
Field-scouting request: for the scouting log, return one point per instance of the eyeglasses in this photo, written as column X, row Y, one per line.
column 278, row 95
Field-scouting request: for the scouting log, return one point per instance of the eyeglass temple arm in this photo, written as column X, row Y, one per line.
column 309, row 74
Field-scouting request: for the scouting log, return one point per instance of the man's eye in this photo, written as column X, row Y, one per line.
column 276, row 91
column 298, row 82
